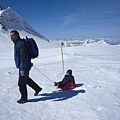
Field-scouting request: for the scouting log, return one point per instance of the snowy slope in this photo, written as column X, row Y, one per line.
column 97, row 72
column 9, row 19
column 42, row 43
column 96, row 68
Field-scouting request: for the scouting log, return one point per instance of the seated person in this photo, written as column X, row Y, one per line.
column 68, row 81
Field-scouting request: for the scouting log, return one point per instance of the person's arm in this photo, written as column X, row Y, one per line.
column 73, row 80
column 65, row 80
column 23, row 57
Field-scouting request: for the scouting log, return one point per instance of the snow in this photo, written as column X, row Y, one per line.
column 9, row 19
column 96, row 68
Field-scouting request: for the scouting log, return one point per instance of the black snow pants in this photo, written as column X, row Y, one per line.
column 24, row 81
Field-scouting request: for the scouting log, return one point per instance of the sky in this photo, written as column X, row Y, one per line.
column 63, row 19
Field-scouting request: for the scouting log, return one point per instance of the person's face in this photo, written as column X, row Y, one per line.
column 67, row 73
column 14, row 36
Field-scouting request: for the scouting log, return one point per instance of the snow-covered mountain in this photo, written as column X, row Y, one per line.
column 9, row 19
column 83, row 41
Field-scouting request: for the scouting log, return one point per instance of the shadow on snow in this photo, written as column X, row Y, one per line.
column 58, row 95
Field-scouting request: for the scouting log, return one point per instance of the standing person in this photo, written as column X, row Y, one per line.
column 23, row 63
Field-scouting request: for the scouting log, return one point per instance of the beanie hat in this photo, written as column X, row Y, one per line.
column 69, row 71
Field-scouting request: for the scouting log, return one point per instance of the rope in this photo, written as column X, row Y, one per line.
column 43, row 74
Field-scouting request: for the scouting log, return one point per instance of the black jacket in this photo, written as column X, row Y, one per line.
column 66, row 79
column 21, row 54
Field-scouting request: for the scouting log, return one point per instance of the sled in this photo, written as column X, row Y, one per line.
column 68, row 86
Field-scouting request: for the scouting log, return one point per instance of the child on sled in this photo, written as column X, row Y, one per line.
column 68, row 82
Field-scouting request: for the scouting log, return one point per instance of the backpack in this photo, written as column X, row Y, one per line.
column 32, row 47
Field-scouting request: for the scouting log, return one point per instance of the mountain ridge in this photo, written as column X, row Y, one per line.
column 9, row 19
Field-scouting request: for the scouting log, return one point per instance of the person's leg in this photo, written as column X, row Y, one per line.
column 30, row 82
column 33, row 85
column 22, row 89
column 61, row 84
column 22, row 85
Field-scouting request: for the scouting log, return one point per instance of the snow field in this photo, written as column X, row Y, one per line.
column 96, row 96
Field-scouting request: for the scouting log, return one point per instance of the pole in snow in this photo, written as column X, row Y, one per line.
column 62, row 56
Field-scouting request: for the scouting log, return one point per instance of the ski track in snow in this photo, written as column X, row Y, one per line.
column 95, row 97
